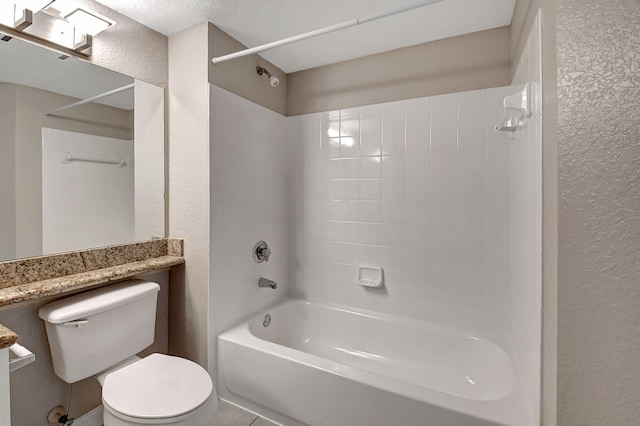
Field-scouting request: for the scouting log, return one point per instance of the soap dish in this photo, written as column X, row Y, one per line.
column 370, row 277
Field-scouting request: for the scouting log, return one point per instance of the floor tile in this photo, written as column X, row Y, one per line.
column 262, row 422
column 230, row 415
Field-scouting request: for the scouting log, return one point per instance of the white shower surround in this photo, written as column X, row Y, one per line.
column 526, row 229
column 425, row 188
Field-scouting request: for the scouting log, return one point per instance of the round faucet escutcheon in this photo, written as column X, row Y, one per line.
column 261, row 252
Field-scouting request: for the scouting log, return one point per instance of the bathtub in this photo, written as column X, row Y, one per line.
column 323, row 365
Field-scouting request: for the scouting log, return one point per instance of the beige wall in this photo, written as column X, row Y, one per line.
column 599, row 239
column 30, row 108
column 474, row 61
column 130, row 48
column 524, row 15
column 189, row 190
column 239, row 76
column 190, row 72
column 35, row 389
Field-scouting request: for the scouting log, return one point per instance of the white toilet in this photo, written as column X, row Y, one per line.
column 98, row 333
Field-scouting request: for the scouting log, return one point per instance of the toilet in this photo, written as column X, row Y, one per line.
column 99, row 332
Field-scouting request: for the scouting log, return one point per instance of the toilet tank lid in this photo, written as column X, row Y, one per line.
column 95, row 301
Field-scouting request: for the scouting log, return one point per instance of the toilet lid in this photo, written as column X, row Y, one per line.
column 158, row 386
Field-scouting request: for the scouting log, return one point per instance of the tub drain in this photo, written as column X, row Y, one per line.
column 267, row 320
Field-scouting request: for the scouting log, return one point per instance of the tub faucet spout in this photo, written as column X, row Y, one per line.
column 264, row 282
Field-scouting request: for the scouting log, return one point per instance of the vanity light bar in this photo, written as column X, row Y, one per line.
column 24, row 21
column 56, row 21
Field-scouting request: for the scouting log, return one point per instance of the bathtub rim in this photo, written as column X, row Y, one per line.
column 382, row 316
column 241, row 335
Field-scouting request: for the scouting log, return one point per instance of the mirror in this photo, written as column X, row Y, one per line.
column 77, row 169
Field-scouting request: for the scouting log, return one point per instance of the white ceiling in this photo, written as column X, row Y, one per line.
column 255, row 22
column 27, row 64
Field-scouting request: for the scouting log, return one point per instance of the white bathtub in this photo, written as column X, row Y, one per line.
column 322, row 365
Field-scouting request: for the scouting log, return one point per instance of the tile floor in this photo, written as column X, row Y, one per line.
column 230, row 415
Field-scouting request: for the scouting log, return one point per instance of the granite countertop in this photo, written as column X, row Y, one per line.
column 46, row 276
column 69, row 283
column 7, row 337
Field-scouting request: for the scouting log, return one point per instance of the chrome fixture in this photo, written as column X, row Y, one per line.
column 264, row 282
column 273, row 80
column 261, row 252
column 266, row 321
column 56, row 21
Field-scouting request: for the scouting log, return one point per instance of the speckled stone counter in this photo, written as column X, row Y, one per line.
column 7, row 337
column 35, row 278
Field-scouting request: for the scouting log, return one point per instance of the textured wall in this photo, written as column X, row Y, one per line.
column 599, row 240
column 473, row 61
column 130, row 48
column 189, row 193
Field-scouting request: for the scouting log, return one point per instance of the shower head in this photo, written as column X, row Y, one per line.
column 273, row 80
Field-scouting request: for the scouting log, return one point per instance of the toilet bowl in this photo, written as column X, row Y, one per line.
column 158, row 389
column 98, row 333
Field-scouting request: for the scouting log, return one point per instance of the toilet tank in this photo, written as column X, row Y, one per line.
column 95, row 330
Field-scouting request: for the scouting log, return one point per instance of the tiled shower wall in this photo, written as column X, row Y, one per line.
column 420, row 188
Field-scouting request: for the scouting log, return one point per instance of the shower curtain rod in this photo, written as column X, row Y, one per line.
column 322, row 31
column 93, row 98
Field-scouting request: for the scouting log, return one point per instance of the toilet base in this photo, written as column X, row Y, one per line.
column 202, row 416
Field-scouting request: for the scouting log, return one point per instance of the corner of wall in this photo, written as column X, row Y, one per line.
column 520, row 26
column 239, row 75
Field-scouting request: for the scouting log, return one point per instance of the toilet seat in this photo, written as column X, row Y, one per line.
column 156, row 388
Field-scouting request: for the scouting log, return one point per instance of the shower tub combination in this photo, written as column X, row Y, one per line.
column 305, row 363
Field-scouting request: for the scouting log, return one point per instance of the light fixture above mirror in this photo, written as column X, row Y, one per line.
column 60, row 21
column 88, row 22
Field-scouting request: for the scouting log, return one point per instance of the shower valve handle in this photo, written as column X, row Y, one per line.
column 266, row 252
column 261, row 252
